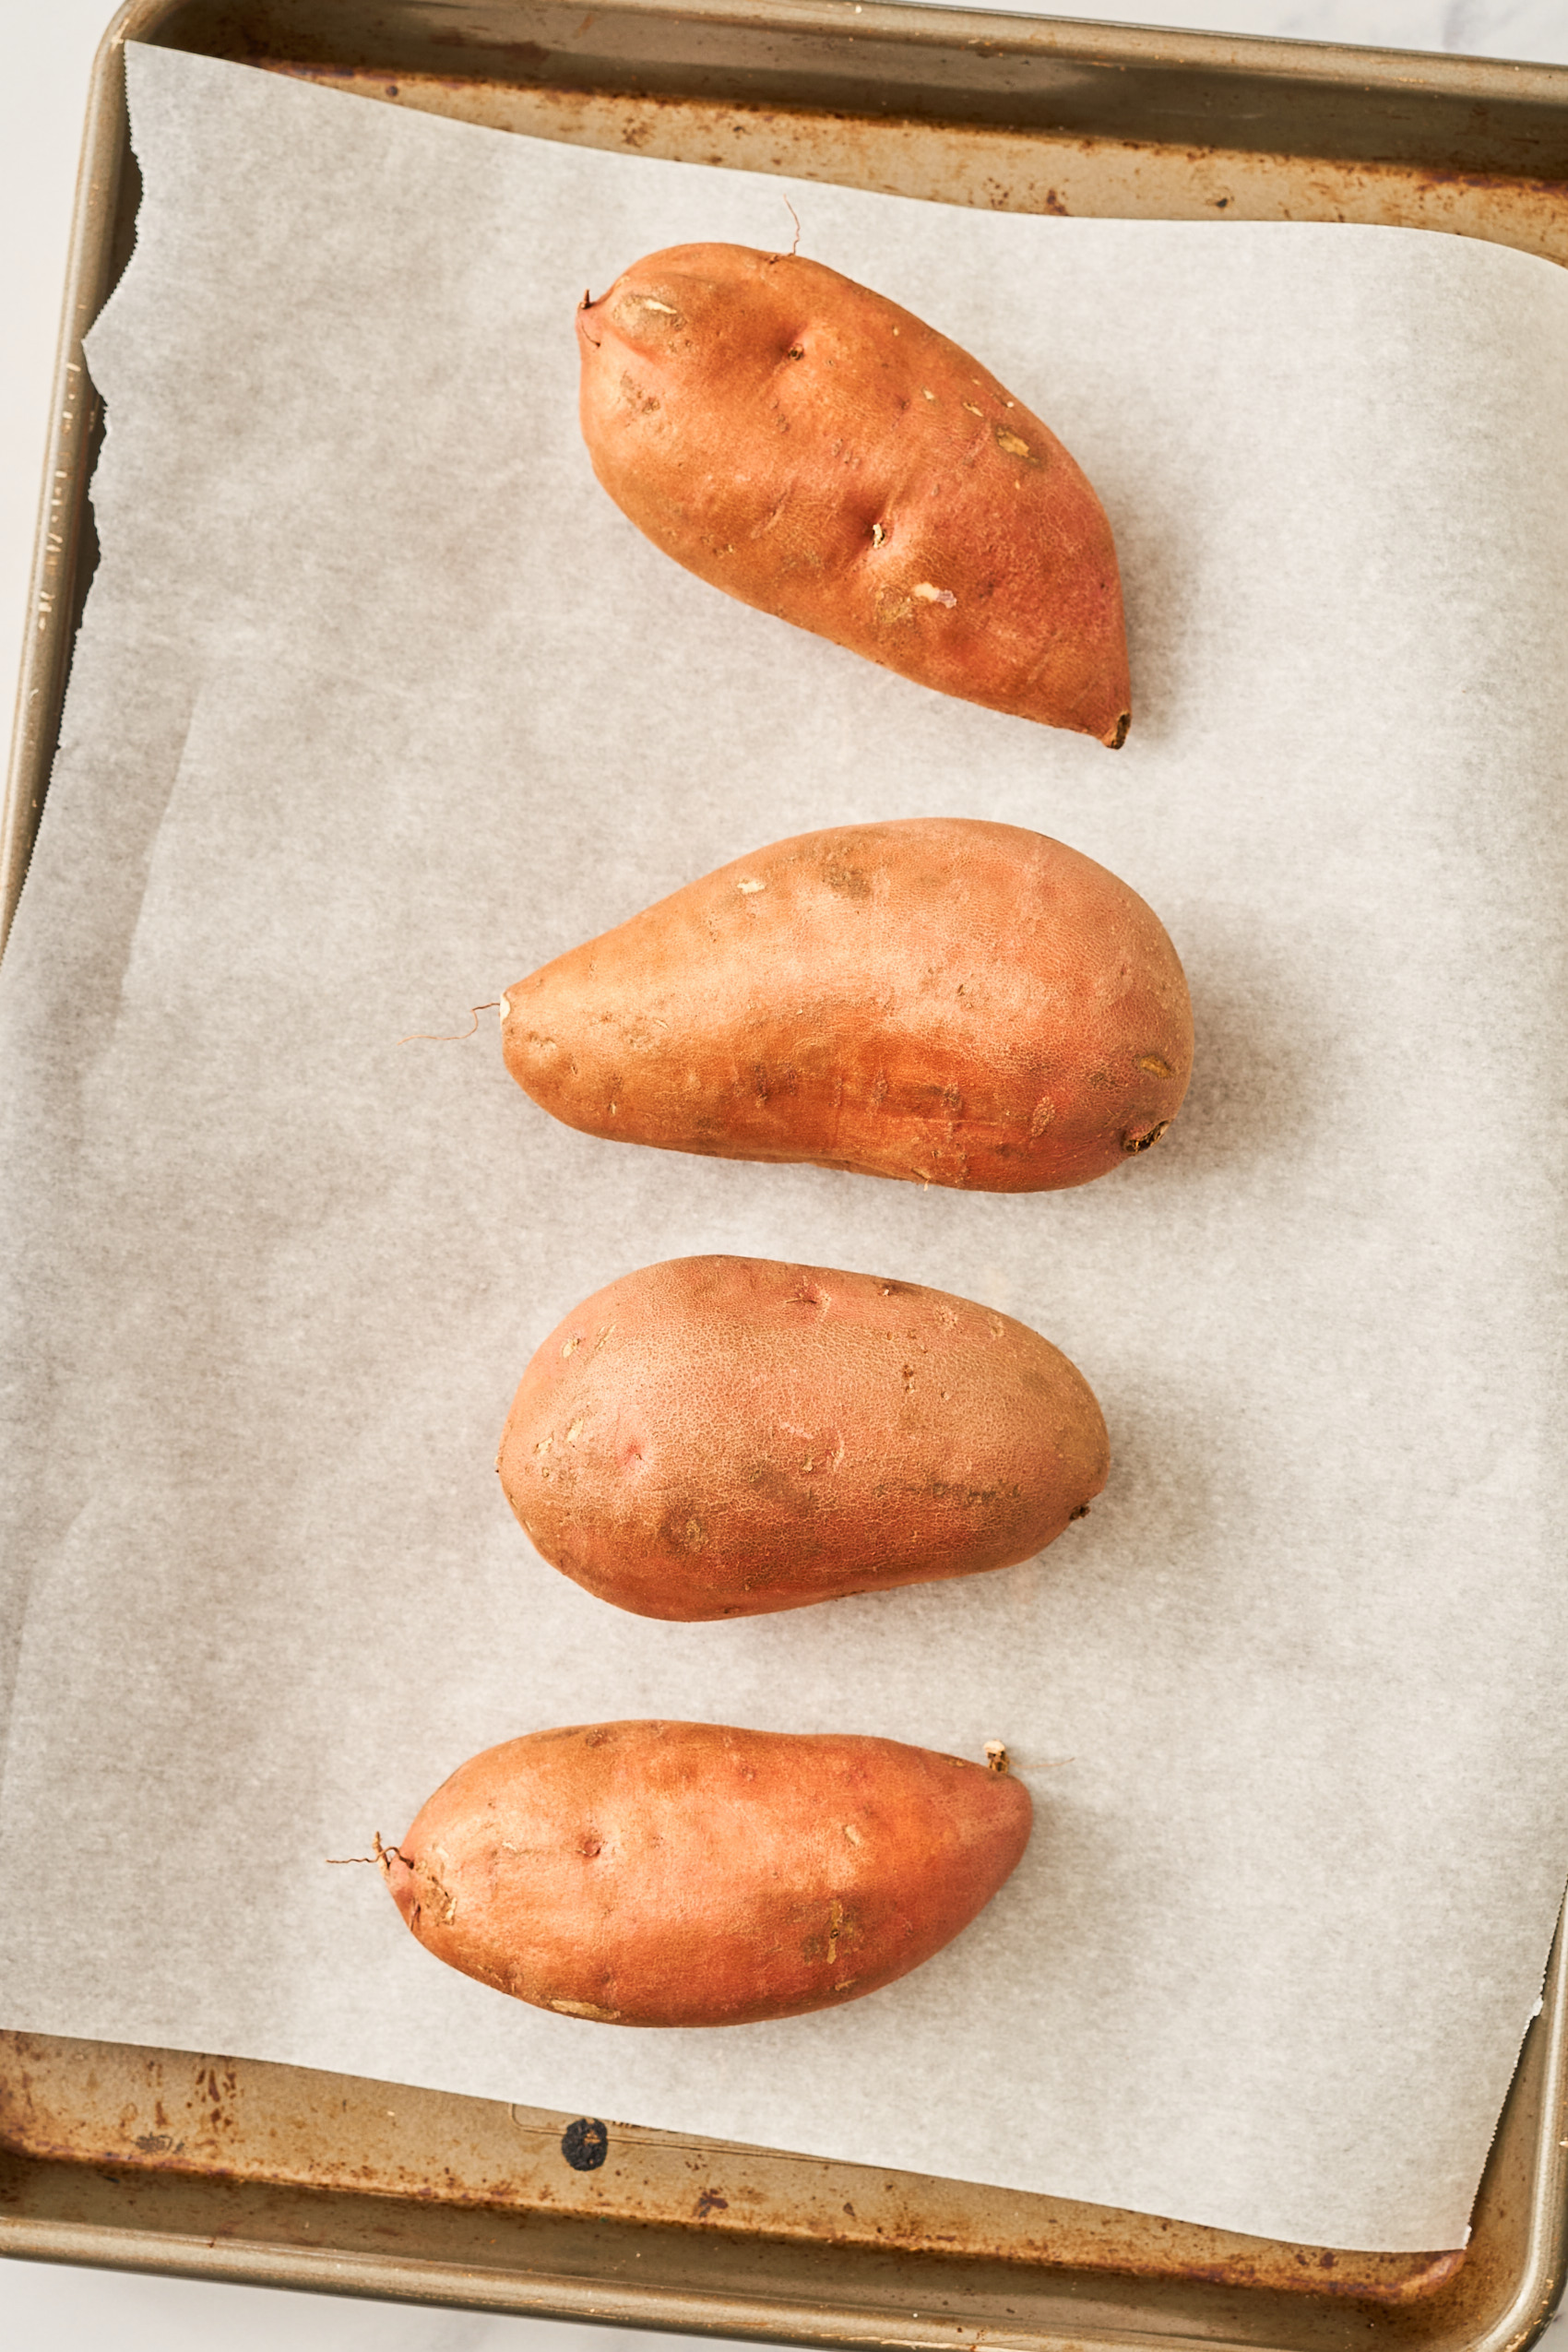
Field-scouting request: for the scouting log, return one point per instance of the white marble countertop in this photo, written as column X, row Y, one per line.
column 48, row 49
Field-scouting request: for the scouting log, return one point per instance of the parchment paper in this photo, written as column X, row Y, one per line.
column 378, row 704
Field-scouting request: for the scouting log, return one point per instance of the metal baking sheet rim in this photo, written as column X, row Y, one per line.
column 46, row 2200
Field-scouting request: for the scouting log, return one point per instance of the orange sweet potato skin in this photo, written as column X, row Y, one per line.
column 940, row 1000
column 806, row 444
column 689, row 1874
column 725, row 1437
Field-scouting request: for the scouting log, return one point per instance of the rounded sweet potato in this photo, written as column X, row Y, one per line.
column 724, row 1437
column 939, row 999
column 688, row 1875
column 815, row 450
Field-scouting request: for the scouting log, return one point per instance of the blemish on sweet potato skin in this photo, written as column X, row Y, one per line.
column 739, row 1875
column 757, row 1435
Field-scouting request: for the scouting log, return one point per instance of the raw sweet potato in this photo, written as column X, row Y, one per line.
column 687, row 1874
column 803, row 442
column 723, row 1437
column 938, row 999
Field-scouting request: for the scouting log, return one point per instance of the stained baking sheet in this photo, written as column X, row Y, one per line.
column 378, row 704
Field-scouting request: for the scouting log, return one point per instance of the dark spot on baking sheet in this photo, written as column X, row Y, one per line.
column 586, row 2143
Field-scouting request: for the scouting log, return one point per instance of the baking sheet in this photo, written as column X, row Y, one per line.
column 379, row 703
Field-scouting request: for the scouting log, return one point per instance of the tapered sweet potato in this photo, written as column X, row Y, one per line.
column 814, row 449
column 723, row 1437
column 687, row 1874
column 939, row 999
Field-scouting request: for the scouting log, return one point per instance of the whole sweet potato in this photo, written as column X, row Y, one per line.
column 939, row 999
column 803, row 442
column 687, row 1874
column 723, row 1437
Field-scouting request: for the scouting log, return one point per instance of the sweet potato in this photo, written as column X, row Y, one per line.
column 815, row 450
column 688, row 1875
column 940, row 1000
column 724, row 1437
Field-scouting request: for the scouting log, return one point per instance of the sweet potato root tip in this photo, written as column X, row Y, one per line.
column 458, row 1037
column 381, row 1858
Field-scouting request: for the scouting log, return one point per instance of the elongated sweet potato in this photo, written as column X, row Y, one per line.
column 814, row 449
column 723, row 1437
column 939, row 999
column 687, row 1874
